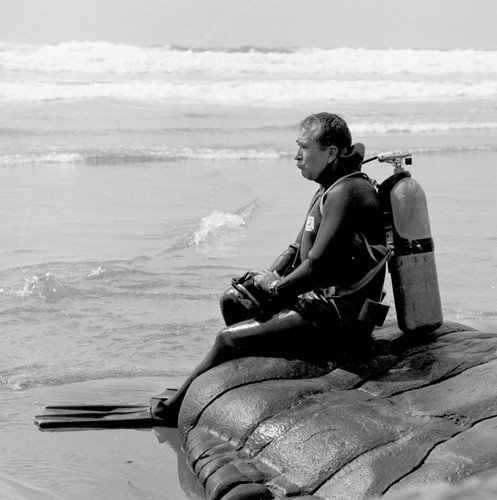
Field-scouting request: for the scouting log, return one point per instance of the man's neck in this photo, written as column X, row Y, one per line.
column 332, row 173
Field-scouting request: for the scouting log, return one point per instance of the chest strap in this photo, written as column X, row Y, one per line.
column 334, row 292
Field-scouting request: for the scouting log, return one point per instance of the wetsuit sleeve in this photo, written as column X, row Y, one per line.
column 286, row 258
column 333, row 240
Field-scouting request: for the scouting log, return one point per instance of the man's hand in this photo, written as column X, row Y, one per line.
column 263, row 279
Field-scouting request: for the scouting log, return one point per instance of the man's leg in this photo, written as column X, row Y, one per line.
column 285, row 333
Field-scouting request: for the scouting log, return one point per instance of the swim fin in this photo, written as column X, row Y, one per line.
column 95, row 417
column 98, row 416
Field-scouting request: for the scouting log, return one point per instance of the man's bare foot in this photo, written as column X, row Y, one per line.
column 164, row 415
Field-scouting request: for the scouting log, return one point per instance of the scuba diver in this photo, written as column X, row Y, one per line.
column 311, row 302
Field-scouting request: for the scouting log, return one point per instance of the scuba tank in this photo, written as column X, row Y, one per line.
column 412, row 265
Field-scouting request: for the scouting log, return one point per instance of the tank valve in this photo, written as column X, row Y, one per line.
column 396, row 158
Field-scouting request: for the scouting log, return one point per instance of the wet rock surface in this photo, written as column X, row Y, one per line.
column 406, row 412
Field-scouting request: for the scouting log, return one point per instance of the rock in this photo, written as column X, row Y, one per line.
column 410, row 411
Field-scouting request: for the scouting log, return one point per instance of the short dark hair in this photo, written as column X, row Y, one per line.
column 334, row 131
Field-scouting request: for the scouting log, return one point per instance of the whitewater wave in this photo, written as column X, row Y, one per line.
column 53, row 286
column 217, row 221
column 214, row 226
column 105, row 58
column 122, row 157
column 419, row 128
column 45, row 287
column 51, row 289
column 95, row 70
column 136, row 156
column 43, row 158
column 248, row 92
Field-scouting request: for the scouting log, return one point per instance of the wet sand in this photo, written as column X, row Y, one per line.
column 97, row 464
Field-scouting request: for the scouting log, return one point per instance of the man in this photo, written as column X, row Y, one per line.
column 317, row 288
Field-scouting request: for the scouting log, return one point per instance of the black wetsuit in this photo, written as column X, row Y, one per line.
column 330, row 251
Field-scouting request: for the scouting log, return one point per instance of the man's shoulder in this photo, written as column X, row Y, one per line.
column 354, row 181
column 354, row 191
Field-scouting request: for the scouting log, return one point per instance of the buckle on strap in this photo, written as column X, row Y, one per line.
column 330, row 293
column 336, row 291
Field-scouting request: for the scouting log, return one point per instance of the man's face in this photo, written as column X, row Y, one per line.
column 310, row 158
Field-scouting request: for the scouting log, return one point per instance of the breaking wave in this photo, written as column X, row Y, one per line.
column 110, row 59
column 247, row 76
column 248, row 92
column 214, row 225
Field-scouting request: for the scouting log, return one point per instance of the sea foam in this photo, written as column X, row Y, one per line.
column 130, row 156
column 107, row 58
column 255, row 93
column 94, row 70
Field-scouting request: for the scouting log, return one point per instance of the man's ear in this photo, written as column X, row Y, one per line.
column 333, row 153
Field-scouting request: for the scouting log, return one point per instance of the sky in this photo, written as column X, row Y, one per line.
column 432, row 24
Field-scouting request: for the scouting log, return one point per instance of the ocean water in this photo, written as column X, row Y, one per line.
column 136, row 181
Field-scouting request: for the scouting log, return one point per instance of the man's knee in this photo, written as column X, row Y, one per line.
column 228, row 297
column 234, row 307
